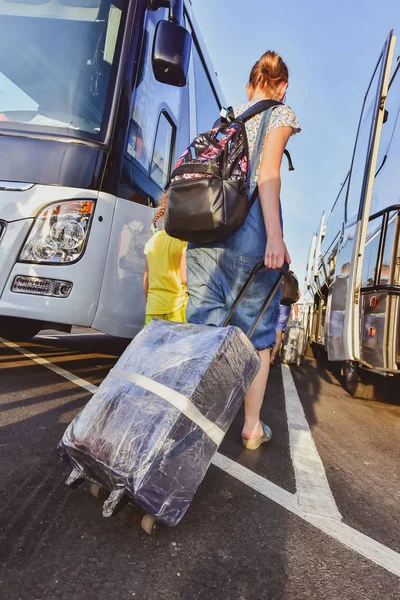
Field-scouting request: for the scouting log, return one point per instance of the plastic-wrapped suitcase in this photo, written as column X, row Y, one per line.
column 153, row 426
column 293, row 344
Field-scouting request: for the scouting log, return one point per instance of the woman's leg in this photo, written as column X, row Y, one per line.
column 254, row 398
column 275, row 350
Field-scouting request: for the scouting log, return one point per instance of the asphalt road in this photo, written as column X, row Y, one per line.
column 314, row 515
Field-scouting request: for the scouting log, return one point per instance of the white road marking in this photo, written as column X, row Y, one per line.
column 49, row 365
column 61, row 335
column 351, row 538
column 256, row 482
column 359, row 542
column 314, row 494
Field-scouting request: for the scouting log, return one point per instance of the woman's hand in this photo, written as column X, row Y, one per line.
column 276, row 253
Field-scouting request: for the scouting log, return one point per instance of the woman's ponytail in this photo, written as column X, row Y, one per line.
column 268, row 73
column 161, row 211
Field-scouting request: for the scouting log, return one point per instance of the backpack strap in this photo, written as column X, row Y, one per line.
column 289, row 158
column 258, row 108
column 228, row 116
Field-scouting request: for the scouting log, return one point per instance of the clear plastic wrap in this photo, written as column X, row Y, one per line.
column 152, row 428
column 294, row 342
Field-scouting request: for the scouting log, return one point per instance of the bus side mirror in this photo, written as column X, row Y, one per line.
column 171, row 53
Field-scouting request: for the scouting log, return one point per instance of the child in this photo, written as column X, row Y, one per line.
column 165, row 275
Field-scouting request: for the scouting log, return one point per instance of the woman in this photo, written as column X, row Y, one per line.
column 216, row 273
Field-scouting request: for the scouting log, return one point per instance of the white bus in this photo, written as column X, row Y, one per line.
column 353, row 274
column 97, row 100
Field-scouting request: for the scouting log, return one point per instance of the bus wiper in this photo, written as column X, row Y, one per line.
column 381, row 167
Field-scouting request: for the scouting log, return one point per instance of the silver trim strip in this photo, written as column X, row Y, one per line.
column 3, row 226
column 15, row 186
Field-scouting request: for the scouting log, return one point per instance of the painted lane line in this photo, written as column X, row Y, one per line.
column 351, row 538
column 57, row 336
column 52, row 367
column 83, row 334
column 257, row 483
column 314, row 494
column 360, row 543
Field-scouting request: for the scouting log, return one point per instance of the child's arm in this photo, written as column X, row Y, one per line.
column 146, row 279
column 183, row 268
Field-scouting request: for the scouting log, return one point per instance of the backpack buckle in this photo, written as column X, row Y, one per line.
column 227, row 114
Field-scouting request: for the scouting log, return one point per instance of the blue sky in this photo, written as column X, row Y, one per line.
column 331, row 50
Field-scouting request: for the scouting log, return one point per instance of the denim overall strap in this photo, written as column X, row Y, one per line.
column 258, row 148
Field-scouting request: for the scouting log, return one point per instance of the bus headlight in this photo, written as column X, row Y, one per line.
column 59, row 233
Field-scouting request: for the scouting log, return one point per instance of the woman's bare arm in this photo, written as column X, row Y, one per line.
column 269, row 187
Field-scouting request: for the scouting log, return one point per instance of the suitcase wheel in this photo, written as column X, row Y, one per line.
column 149, row 524
column 97, row 491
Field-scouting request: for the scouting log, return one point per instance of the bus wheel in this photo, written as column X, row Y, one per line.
column 19, row 330
column 355, row 384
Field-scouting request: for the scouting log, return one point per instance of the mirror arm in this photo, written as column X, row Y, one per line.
column 156, row 4
column 176, row 11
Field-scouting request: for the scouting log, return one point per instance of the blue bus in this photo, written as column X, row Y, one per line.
column 97, row 100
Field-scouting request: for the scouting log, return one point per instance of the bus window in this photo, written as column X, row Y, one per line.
column 363, row 146
column 392, row 108
column 59, row 63
column 384, row 275
column 207, row 107
column 371, row 257
column 387, row 181
column 162, row 153
column 150, row 100
column 335, row 220
column 183, row 132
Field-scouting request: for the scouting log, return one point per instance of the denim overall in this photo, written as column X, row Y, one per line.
column 217, row 272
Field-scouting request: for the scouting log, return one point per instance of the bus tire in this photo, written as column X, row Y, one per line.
column 19, row 330
column 355, row 384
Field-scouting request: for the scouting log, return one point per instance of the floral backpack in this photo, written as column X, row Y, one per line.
column 207, row 194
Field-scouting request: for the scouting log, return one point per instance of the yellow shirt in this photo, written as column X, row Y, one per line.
column 166, row 292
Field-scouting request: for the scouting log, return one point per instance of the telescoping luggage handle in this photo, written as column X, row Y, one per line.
column 259, row 267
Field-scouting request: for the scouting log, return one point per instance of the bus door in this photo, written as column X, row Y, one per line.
column 158, row 127
column 344, row 307
column 163, row 120
column 380, row 291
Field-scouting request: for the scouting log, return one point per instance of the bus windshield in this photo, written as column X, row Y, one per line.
column 58, row 64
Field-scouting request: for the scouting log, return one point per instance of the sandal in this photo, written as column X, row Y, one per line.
column 256, row 442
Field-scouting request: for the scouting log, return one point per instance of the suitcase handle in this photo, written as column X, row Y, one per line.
column 255, row 270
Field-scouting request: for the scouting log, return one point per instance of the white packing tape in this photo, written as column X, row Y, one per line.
column 179, row 401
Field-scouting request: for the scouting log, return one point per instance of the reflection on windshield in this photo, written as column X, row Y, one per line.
column 58, row 60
